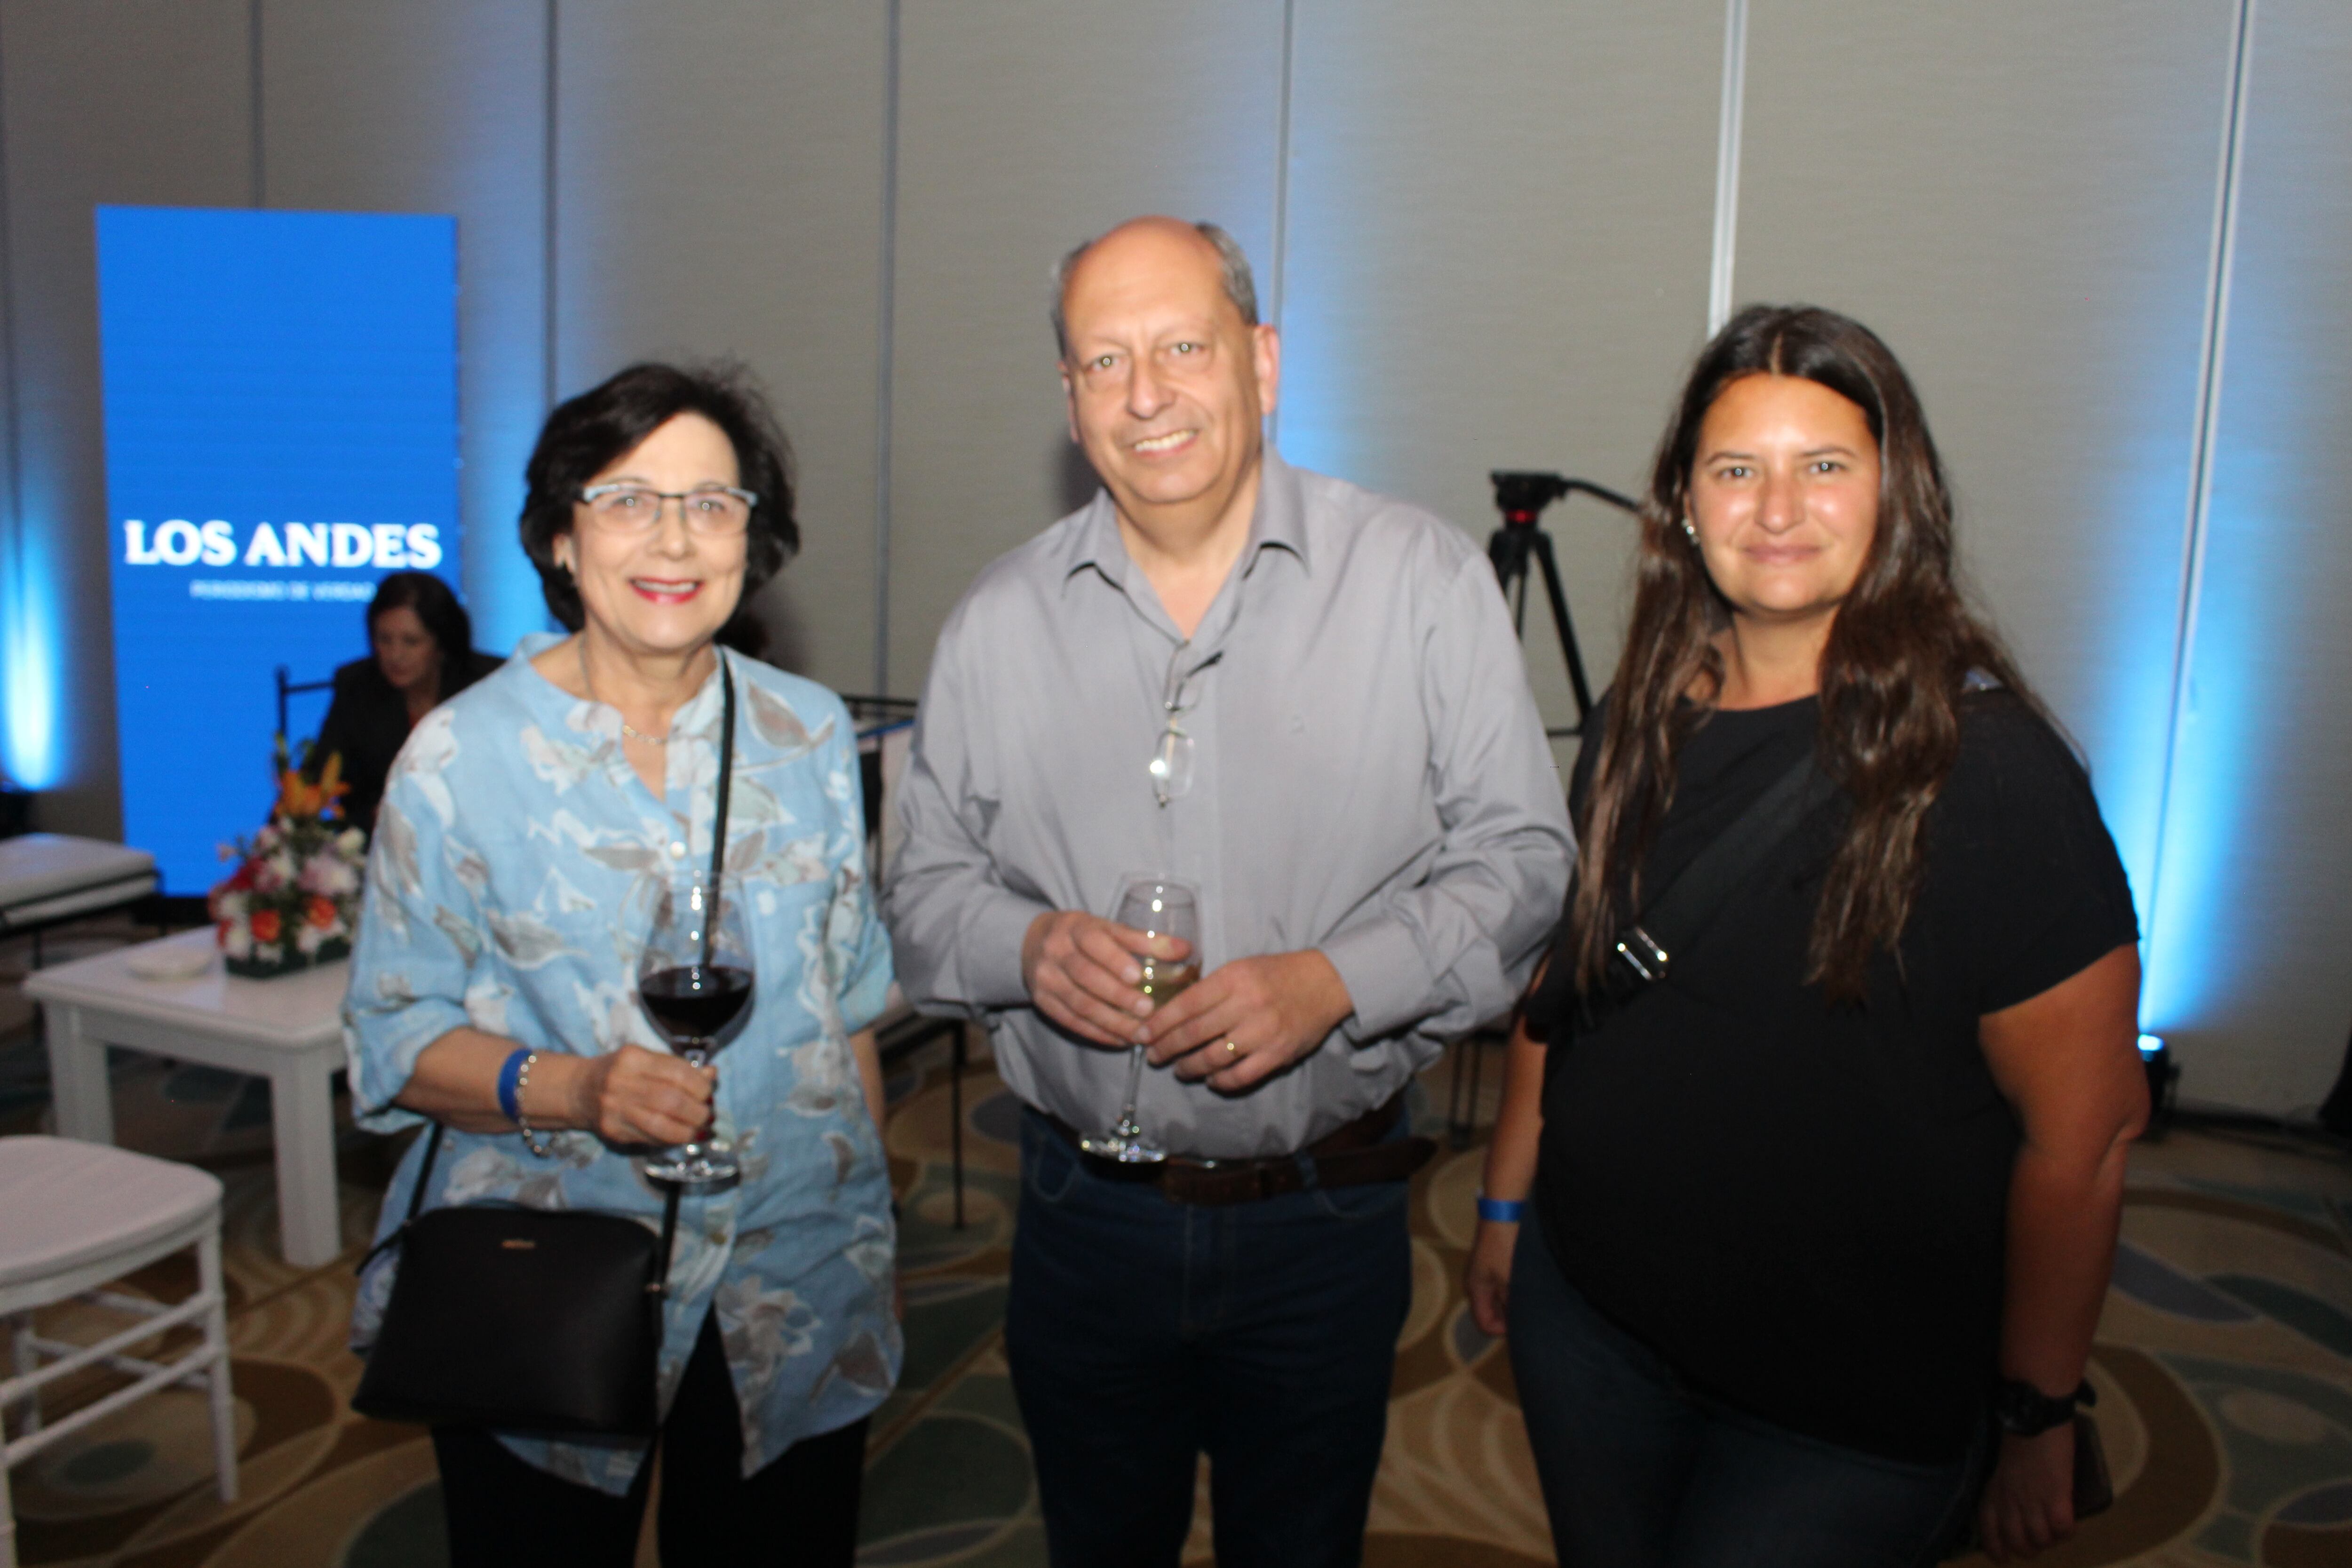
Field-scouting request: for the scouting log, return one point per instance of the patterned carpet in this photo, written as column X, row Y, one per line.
column 2224, row 1366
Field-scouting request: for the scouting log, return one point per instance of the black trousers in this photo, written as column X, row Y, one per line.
column 800, row 1511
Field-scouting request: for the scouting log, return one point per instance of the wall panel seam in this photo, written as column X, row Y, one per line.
column 1729, row 124
column 550, row 228
column 2212, row 353
column 885, row 351
column 13, row 525
column 260, row 170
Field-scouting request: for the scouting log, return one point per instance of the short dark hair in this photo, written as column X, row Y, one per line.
column 584, row 434
column 445, row 619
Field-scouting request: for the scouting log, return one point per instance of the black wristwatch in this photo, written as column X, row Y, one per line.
column 2024, row 1409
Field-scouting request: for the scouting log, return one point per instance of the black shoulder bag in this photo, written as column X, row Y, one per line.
column 1646, row 946
column 527, row 1319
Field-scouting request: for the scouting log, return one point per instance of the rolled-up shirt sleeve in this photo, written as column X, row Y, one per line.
column 1450, row 951
column 956, row 927
column 421, row 929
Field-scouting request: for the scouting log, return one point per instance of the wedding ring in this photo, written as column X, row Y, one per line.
column 1232, row 1049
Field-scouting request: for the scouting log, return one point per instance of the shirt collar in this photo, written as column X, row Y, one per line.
column 1279, row 522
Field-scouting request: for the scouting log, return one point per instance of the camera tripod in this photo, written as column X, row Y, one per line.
column 1521, row 496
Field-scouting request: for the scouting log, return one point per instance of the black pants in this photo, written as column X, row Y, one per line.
column 799, row 1510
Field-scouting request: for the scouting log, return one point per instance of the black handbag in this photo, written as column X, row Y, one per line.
column 526, row 1319
column 520, row 1319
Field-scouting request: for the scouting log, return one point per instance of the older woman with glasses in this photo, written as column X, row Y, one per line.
column 529, row 830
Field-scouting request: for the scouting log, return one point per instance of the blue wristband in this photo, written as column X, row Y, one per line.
column 1503, row 1211
column 507, row 1074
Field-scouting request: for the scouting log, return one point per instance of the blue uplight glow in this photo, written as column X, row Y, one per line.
column 2150, row 1045
column 30, row 668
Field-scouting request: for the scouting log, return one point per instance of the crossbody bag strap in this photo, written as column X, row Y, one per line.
column 1677, row 917
column 415, row 1200
column 726, row 770
column 659, row 1283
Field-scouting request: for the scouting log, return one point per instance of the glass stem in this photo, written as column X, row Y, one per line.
column 1134, row 1083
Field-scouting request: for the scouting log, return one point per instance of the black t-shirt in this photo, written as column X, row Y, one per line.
column 1801, row 1207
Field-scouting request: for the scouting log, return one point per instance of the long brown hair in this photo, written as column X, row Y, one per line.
column 1899, row 654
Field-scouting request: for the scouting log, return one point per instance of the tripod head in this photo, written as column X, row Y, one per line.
column 1521, row 494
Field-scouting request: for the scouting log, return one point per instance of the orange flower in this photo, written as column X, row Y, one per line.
column 265, row 925
column 299, row 797
column 320, row 910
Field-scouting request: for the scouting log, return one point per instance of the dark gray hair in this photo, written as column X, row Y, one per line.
column 1240, row 287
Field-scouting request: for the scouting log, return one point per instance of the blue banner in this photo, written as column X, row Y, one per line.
column 281, row 431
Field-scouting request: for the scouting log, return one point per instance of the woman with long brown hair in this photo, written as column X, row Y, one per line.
column 1801, row 1227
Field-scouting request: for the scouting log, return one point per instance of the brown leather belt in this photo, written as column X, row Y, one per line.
column 1359, row 1152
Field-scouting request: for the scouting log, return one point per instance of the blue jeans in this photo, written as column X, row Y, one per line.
column 1640, row 1472
column 1142, row 1333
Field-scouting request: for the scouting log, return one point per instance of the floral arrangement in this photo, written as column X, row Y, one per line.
column 294, row 898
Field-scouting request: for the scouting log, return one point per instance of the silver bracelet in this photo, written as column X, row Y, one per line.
column 537, row 1142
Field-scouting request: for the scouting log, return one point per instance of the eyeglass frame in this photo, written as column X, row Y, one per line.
column 1172, row 703
column 593, row 494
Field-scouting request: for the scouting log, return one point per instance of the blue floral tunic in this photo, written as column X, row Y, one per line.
column 510, row 887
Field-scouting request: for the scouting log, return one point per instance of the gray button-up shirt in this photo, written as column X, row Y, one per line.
column 1371, row 778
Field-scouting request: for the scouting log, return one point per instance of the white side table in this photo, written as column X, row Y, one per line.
column 287, row 1029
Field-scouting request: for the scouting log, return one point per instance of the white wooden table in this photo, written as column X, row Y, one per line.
column 287, row 1029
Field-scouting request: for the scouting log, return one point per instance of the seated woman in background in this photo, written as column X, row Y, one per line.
column 424, row 655
column 1815, row 1210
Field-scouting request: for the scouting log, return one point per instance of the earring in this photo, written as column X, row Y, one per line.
column 1689, row 533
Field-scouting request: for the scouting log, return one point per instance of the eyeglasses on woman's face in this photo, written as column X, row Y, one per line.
column 714, row 511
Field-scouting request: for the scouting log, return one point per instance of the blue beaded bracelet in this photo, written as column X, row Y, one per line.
column 1503, row 1211
column 509, row 1106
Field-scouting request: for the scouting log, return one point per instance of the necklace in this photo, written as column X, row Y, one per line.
column 588, row 681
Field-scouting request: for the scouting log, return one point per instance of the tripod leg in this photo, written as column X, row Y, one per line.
column 1508, row 551
column 1560, row 624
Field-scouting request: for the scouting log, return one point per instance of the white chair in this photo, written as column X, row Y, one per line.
column 72, row 1217
column 47, row 879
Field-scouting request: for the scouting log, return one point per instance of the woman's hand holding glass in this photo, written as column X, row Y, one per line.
column 628, row 1097
column 634, row 1097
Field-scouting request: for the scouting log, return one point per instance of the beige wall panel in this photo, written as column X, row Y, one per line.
column 1026, row 126
column 719, row 193
column 105, row 100
column 1499, row 217
column 2248, row 971
column 2018, row 197
column 438, row 106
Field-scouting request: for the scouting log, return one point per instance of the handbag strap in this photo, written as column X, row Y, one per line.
column 726, row 777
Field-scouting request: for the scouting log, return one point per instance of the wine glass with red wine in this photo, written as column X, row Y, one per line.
column 694, row 981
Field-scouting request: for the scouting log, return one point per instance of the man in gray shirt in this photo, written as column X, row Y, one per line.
column 1306, row 700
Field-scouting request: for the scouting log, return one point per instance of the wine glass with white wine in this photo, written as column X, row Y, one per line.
column 1156, row 906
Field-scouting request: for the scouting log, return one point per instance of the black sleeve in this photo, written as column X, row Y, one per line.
column 2045, row 892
